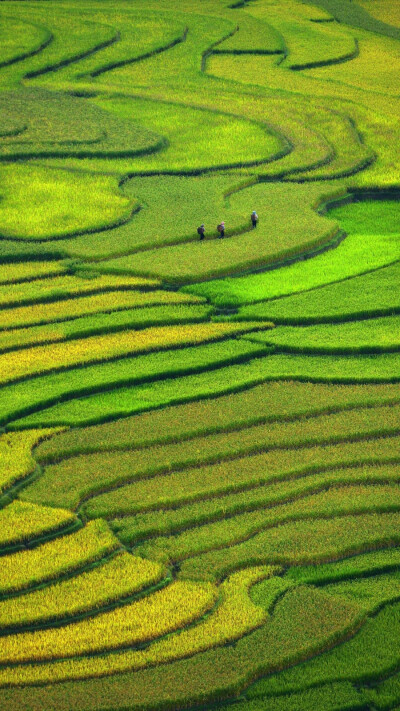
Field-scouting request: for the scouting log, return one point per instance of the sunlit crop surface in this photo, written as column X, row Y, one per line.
column 200, row 437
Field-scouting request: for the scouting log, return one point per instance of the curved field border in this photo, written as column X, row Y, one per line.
column 124, row 62
column 30, row 53
column 72, row 60
column 76, row 233
column 329, row 62
column 352, row 14
column 345, row 196
column 287, row 145
column 362, row 164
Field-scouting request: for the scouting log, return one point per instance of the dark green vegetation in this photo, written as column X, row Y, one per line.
column 200, row 441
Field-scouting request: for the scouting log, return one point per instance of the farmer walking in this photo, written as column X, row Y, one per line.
column 201, row 231
column 221, row 230
column 254, row 219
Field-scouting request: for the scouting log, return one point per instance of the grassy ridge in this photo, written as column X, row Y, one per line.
column 38, row 392
column 65, row 483
column 371, row 295
column 97, row 408
column 255, row 405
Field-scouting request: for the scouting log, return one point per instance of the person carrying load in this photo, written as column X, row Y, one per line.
column 221, row 230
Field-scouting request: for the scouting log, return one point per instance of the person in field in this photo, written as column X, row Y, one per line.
column 221, row 230
column 201, row 231
column 254, row 219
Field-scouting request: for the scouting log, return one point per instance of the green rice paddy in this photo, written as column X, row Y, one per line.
column 199, row 439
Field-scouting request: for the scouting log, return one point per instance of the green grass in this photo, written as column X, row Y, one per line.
column 372, row 294
column 372, row 594
column 132, row 529
column 33, row 395
column 159, row 222
column 84, row 203
column 357, row 73
column 357, row 16
column 356, row 660
column 19, row 39
column 359, row 252
column 333, row 697
column 83, row 35
column 59, row 125
column 251, row 37
column 340, row 501
column 126, row 400
column 140, row 34
column 299, row 542
column 197, row 140
column 243, row 248
column 357, row 566
column 121, row 130
column 307, row 42
column 385, row 693
column 367, row 336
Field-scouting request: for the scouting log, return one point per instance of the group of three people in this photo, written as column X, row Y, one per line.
column 201, row 231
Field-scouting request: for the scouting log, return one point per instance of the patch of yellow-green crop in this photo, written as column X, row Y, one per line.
column 234, row 616
column 153, row 616
column 22, row 521
column 37, row 203
column 55, row 558
column 120, row 577
column 16, row 461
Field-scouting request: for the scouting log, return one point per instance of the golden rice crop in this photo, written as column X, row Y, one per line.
column 20, row 521
column 121, row 576
column 95, row 324
column 24, row 271
column 169, row 609
column 62, row 287
column 16, row 460
column 235, row 616
column 41, row 359
column 27, row 568
column 105, row 301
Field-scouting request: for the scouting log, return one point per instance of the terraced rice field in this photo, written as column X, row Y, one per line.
column 199, row 440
